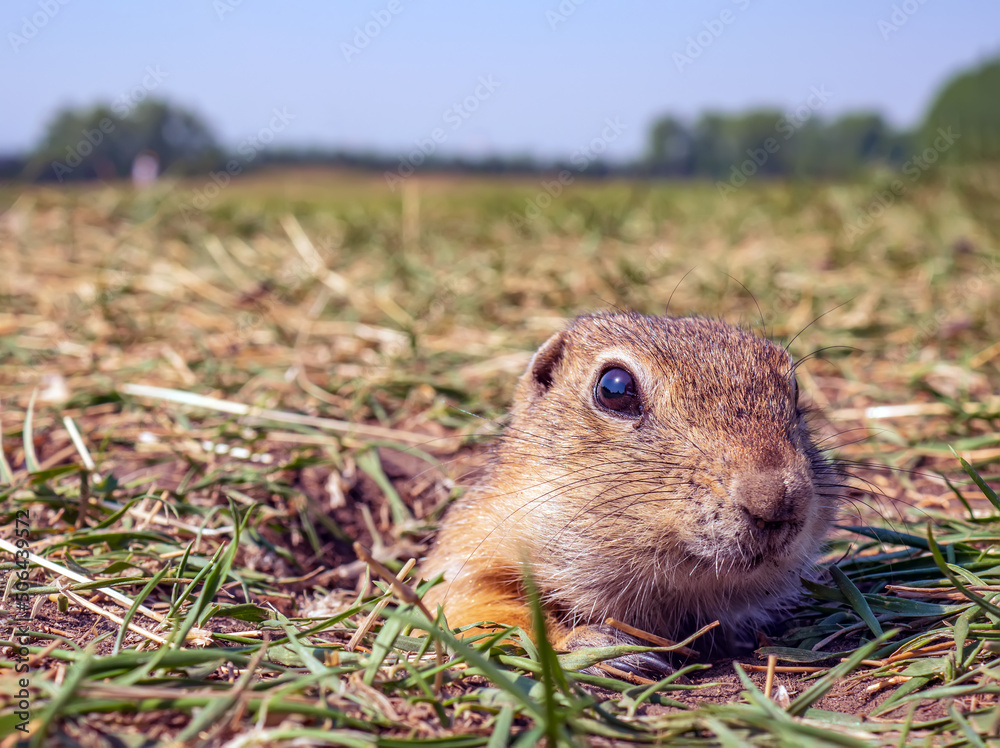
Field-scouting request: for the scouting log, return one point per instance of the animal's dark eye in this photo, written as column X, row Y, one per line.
column 616, row 391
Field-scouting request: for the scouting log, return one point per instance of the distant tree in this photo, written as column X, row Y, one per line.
column 862, row 137
column 79, row 144
column 713, row 150
column 767, row 142
column 98, row 143
column 179, row 138
column 767, row 138
column 851, row 143
column 671, row 148
column 968, row 106
column 723, row 141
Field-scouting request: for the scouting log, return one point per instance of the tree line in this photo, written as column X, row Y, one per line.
column 107, row 142
column 729, row 148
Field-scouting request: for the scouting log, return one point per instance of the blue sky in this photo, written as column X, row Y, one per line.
column 539, row 78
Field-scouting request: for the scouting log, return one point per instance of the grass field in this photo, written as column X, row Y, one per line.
column 209, row 393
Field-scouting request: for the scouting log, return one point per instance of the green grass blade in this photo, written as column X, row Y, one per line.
column 856, row 599
column 889, row 536
column 963, row 725
column 552, row 673
column 63, row 696
column 384, row 642
column 819, row 689
column 368, row 460
column 214, row 711
column 136, row 604
column 988, row 492
column 953, row 577
column 727, row 738
column 895, row 698
column 502, row 724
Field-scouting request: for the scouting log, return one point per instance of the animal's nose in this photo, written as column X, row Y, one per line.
column 771, row 497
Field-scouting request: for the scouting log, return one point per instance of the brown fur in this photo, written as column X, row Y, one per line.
column 709, row 507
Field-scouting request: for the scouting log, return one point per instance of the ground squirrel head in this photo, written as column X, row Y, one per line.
column 660, row 471
column 656, row 470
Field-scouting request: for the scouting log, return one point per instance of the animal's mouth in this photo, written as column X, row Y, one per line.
column 772, row 528
column 743, row 563
column 746, row 554
column 719, row 563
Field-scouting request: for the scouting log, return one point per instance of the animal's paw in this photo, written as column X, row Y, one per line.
column 653, row 665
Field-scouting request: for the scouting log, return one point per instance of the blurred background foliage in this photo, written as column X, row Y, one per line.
column 99, row 143
column 103, row 143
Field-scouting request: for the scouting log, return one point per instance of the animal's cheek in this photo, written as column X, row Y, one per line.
column 715, row 531
column 698, row 521
column 711, row 483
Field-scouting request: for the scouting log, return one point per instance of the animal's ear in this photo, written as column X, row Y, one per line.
column 538, row 379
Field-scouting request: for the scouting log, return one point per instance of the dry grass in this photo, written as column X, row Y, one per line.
column 360, row 346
